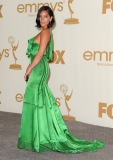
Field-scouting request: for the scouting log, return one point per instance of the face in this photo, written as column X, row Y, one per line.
column 44, row 19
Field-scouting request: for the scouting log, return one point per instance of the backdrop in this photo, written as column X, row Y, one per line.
column 82, row 71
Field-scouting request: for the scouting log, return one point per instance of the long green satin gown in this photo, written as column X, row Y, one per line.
column 42, row 127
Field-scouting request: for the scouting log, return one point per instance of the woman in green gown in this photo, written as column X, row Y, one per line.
column 42, row 127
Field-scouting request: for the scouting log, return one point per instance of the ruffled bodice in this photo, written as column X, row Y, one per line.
column 33, row 48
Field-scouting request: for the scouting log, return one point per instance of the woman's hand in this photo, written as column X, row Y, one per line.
column 28, row 72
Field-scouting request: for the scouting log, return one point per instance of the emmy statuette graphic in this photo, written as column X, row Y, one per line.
column 71, row 20
column 1, row 12
column 15, row 66
column 64, row 90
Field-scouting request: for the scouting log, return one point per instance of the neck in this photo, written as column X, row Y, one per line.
column 44, row 28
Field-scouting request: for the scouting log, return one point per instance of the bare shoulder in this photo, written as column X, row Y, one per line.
column 45, row 34
column 45, row 31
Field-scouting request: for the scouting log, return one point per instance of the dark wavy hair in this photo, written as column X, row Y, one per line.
column 50, row 12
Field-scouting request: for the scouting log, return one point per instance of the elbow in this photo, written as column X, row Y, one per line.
column 40, row 55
